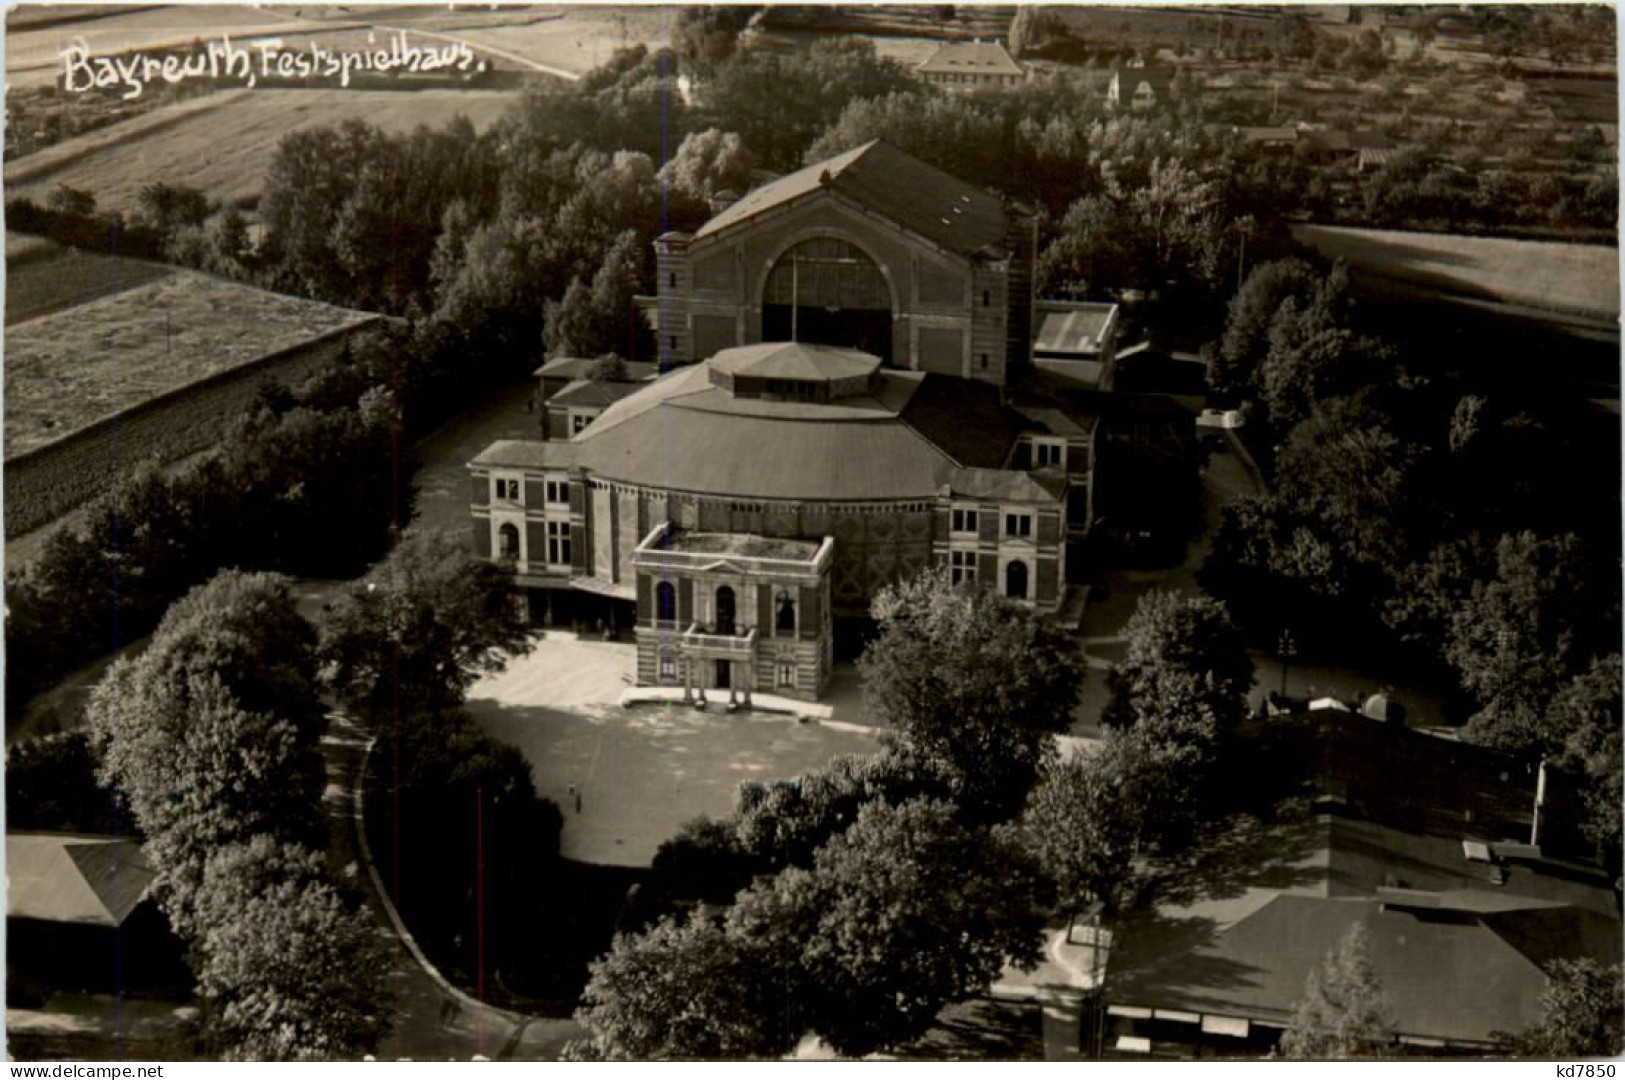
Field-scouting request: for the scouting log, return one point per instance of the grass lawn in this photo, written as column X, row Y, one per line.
column 642, row 772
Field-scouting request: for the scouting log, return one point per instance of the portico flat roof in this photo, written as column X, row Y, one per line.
column 744, row 544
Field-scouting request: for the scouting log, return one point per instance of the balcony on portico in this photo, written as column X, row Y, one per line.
column 704, row 641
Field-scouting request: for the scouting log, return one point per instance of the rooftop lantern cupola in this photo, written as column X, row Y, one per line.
column 794, row 371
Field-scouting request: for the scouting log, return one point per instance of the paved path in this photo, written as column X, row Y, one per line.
column 429, row 1023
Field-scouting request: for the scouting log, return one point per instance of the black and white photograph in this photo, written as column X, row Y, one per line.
column 812, row 533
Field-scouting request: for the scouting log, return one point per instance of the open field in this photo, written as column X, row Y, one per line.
column 1575, row 280
column 64, row 371
column 222, row 144
column 33, row 50
column 569, row 40
column 563, row 40
column 42, row 277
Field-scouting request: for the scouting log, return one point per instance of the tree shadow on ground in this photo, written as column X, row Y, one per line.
column 1244, row 851
column 982, row 1029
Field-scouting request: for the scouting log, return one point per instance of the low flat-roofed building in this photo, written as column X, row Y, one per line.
column 1076, row 342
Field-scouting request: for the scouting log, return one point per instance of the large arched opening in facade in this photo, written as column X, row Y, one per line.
column 828, row 292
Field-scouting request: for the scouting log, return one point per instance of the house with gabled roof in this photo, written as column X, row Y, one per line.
column 960, row 67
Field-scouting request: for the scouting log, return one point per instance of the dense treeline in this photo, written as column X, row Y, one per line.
column 212, row 735
column 1417, row 511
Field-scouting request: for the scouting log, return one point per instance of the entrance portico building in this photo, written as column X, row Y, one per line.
column 734, row 612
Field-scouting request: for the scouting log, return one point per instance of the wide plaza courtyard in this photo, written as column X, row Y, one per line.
column 641, row 771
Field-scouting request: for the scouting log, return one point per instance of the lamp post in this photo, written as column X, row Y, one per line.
column 1287, row 648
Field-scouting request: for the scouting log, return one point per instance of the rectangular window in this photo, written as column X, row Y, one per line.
column 668, row 668
column 964, row 521
column 1018, row 525
column 787, row 676
column 558, row 543
column 558, row 492
column 1048, row 454
column 508, row 490
column 578, row 423
column 962, row 565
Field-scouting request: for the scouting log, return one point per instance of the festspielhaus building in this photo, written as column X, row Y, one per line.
column 849, row 395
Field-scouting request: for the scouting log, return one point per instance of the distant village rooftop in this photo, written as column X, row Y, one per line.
column 71, row 368
column 985, row 57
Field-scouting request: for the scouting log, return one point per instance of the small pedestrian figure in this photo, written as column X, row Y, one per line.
column 576, row 795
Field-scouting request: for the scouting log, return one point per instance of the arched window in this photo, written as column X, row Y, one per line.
column 785, row 621
column 508, row 541
column 827, row 272
column 826, row 291
column 665, row 602
column 1015, row 580
column 725, row 610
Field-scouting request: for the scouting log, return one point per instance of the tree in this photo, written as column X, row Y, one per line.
column 601, row 318
column 709, row 162
column 51, row 786
column 1165, row 231
column 168, row 207
column 1516, row 638
column 1308, row 341
column 905, row 912
column 685, row 989
column 778, row 103
column 293, row 967
column 1247, row 324
column 608, row 368
column 71, row 201
column 704, row 864
column 1585, row 720
column 973, row 684
column 785, row 822
column 1170, row 635
column 427, row 623
column 213, row 732
column 1081, row 824
column 1581, row 1012
column 1343, row 1014
column 707, row 35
